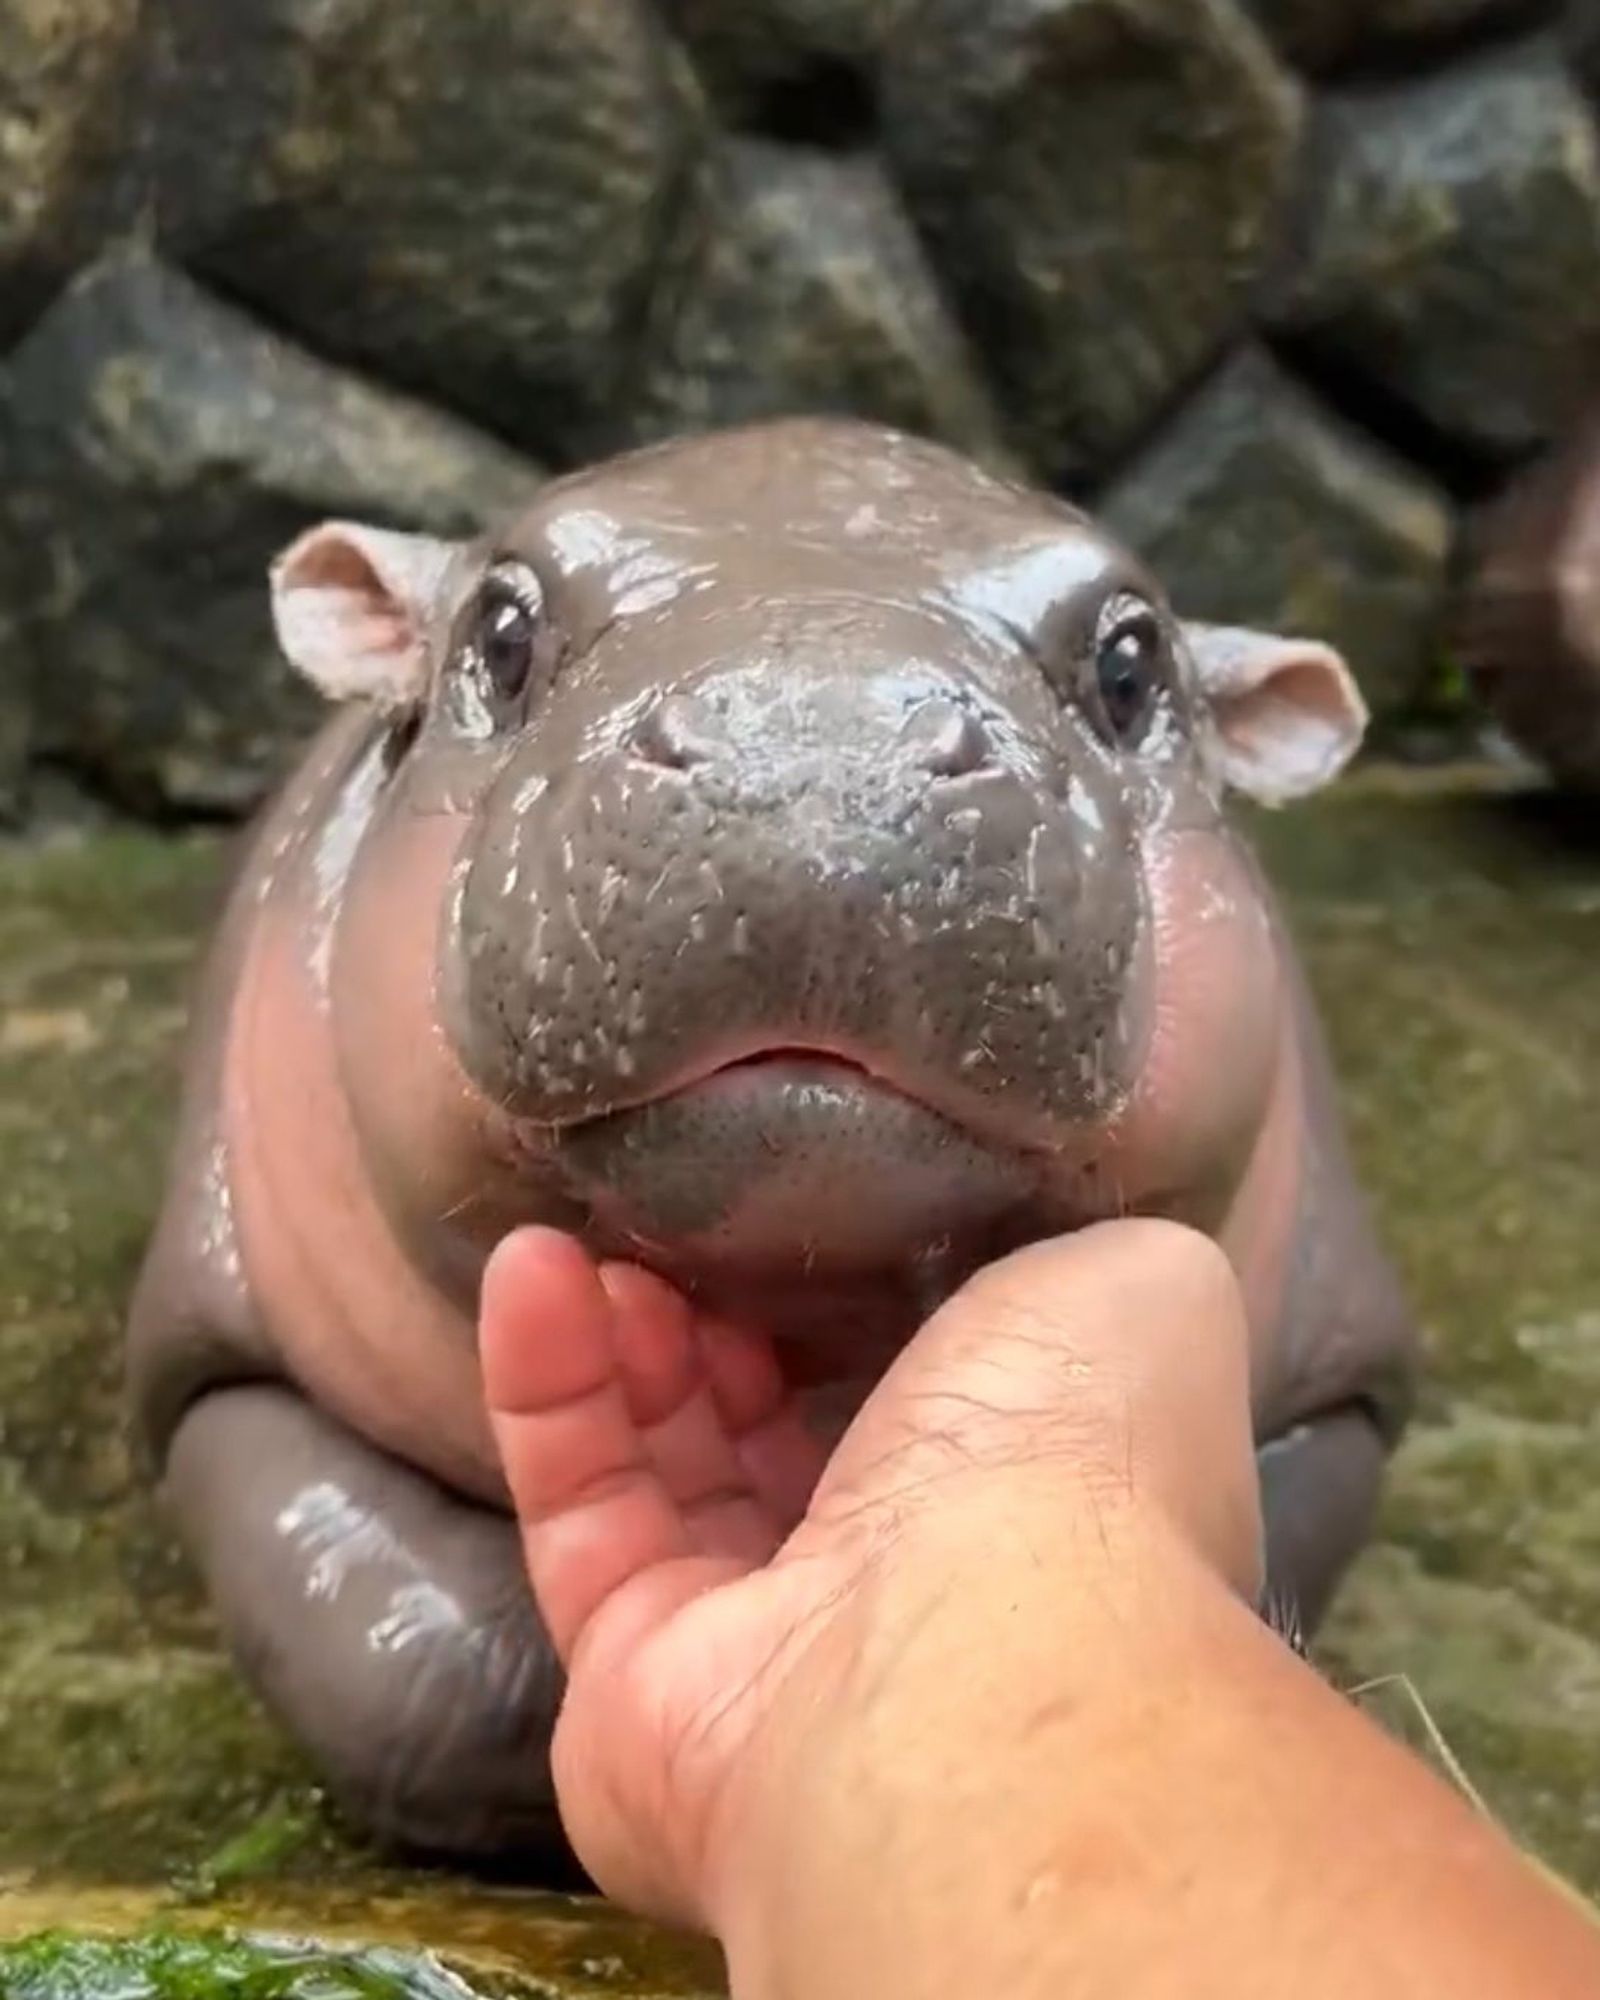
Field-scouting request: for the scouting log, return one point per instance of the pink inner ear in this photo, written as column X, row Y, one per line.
column 351, row 592
column 1288, row 712
column 1301, row 710
column 1290, row 733
column 1317, row 692
column 344, row 600
column 375, row 628
column 326, row 560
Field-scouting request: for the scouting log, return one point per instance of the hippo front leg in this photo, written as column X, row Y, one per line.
column 1348, row 1348
column 388, row 1623
column 1320, row 1484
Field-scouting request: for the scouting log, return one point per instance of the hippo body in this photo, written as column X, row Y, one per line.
column 792, row 859
column 1528, row 623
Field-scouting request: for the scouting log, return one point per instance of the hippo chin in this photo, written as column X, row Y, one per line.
column 789, row 858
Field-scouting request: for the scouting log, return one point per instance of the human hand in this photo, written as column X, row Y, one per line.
column 713, row 1585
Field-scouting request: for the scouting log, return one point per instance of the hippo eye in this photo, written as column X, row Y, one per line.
column 505, row 631
column 1130, row 671
column 505, row 644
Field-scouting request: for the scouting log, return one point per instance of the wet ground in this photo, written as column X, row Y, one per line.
column 1454, row 936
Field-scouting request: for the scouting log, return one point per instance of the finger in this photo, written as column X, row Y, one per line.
column 581, row 1558
column 550, row 1375
column 653, row 1339
column 544, row 1324
column 683, row 1430
column 783, row 1462
column 591, row 1507
column 719, row 1421
column 693, row 1453
column 782, row 1459
column 743, row 1370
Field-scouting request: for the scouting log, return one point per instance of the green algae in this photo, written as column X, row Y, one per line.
column 439, row 1937
column 221, row 1964
column 190, row 1966
column 1452, row 932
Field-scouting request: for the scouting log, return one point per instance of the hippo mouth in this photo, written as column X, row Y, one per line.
column 774, row 1055
column 787, row 1156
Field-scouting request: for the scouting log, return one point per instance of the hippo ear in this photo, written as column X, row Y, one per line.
column 1287, row 712
column 352, row 608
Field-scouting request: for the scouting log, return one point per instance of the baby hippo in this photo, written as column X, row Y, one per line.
column 790, row 859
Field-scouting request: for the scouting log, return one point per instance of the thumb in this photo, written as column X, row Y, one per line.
column 1114, row 1361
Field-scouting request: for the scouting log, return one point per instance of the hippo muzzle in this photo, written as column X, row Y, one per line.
column 825, row 951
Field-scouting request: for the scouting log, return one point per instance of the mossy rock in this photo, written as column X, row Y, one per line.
column 1047, row 226
column 160, row 449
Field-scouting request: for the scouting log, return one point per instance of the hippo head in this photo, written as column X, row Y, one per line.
column 812, row 855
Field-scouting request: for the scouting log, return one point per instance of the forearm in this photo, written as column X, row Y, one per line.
column 1126, row 1787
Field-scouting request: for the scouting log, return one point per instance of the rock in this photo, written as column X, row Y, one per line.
column 1581, row 33
column 1323, row 35
column 16, row 719
column 1529, row 620
column 792, row 69
column 159, row 450
column 807, row 291
column 1451, row 251
column 14, row 746
column 1257, row 506
column 63, row 67
column 1100, row 182
column 467, row 196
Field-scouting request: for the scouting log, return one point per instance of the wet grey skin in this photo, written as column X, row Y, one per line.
column 751, row 860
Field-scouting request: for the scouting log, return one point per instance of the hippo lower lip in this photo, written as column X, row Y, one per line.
column 785, row 1157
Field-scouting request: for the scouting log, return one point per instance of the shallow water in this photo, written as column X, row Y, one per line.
column 1453, row 934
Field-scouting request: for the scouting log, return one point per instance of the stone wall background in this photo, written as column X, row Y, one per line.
column 1286, row 288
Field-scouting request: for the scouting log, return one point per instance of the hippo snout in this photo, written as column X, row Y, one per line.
column 873, row 879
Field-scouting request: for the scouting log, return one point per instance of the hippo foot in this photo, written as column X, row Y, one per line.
column 387, row 1623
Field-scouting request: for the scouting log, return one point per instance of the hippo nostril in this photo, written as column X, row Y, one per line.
column 675, row 734
column 947, row 740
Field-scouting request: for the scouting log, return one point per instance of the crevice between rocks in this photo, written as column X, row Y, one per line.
column 1466, row 473
column 1411, row 59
